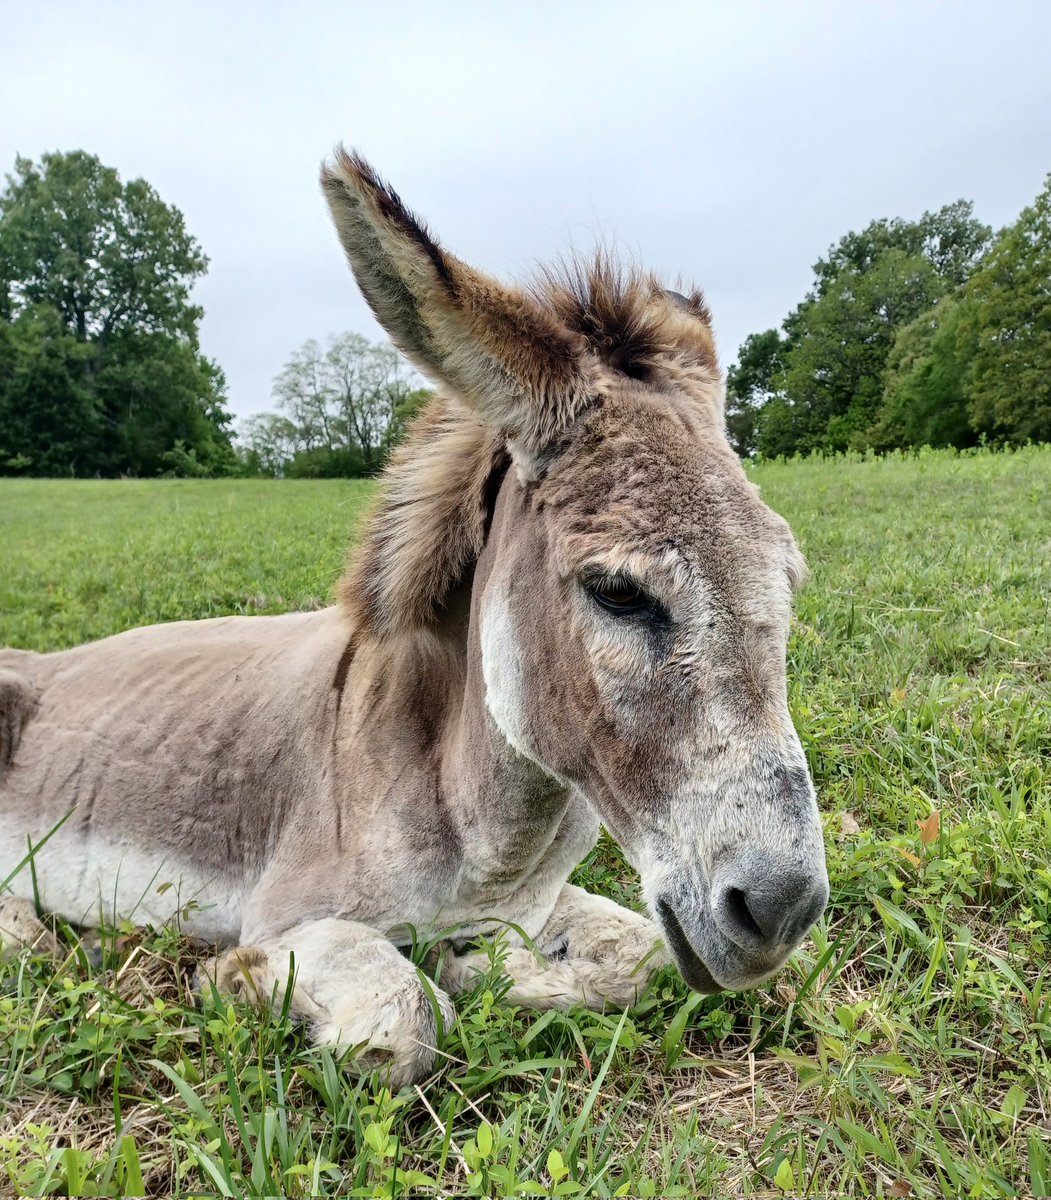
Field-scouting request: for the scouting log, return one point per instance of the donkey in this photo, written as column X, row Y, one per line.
column 569, row 607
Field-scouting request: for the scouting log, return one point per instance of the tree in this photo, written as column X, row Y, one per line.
column 49, row 419
column 1008, row 315
column 370, row 382
column 834, row 371
column 269, row 442
column 155, row 392
column 751, row 383
column 101, row 369
column 110, row 258
column 406, row 412
column 926, row 378
column 818, row 383
column 979, row 363
column 344, row 408
column 304, row 391
column 778, row 429
column 952, row 240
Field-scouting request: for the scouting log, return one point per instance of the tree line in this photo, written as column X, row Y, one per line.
column 929, row 332
column 101, row 371
column 343, row 407
column 100, row 368
column 926, row 332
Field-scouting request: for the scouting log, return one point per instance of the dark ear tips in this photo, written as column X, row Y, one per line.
column 347, row 171
column 333, row 167
column 694, row 304
column 349, row 176
column 503, row 352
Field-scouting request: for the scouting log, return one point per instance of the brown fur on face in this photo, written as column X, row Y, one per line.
column 518, row 368
column 674, row 722
column 645, row 488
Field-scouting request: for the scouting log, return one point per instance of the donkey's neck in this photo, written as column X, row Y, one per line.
column 421, row 728
column 502, row 798
column 417, row 727
column 482, row 772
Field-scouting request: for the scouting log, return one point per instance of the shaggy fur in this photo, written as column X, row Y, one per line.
column 632, row 323
column 432, row 756
column 430, row 525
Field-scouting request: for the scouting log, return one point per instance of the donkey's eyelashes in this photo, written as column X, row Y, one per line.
column 623, row 597
column 619, row 595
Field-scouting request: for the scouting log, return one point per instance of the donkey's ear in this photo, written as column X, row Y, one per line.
column 498, row 348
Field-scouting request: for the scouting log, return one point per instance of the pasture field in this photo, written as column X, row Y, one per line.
column 905, row 1049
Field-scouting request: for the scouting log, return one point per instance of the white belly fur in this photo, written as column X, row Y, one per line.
column 94, row 880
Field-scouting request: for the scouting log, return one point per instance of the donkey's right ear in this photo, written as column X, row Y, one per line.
column 498, row 348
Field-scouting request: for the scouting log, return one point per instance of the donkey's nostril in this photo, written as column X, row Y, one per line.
column 763, row 905
column 740, row 915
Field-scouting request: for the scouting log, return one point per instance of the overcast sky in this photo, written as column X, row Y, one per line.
column 729, row 143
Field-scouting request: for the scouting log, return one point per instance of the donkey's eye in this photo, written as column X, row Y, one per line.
column 618, row 595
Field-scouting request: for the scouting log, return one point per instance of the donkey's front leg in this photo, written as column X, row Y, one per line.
column 352, row 989
column 592, row 951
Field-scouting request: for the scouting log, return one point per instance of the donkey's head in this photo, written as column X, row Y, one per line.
column 636, row 600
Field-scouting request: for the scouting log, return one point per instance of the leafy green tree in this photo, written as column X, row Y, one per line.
column 1008, row 315
column 369, row 382
column 305, row 391
column 979, row 363
column 832, row 350
column 49, row 418
column 834, row 370
column 952, row 240
column 155, row 391
column 269, row 442
column 109, row 257
column 778, row 429
column 926, row 378
column 101, row 271
column 406, row 411
column 327, row 463
column 344, row 406
column 751, row 383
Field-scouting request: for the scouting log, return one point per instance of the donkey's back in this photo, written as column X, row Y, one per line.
column 165, row 755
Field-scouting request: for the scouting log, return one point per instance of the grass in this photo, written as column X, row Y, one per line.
column 904, row 1050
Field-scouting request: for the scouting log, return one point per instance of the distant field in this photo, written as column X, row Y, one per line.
column 85, row 559
column 904, row 1051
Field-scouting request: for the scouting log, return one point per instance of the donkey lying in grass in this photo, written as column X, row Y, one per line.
column 569, row 607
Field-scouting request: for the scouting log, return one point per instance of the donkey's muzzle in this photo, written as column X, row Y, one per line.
column 763, row 905
column 740, row 931
column 691, row 966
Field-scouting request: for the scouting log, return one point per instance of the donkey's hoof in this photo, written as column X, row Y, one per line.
column 396, row 1036
column 241, row 973
column 22, row 929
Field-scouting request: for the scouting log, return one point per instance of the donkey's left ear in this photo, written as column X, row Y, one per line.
column 505, row 355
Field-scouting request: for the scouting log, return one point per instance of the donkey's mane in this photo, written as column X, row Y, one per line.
column 429, row 524
column 631, row 322
column 431, row 520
